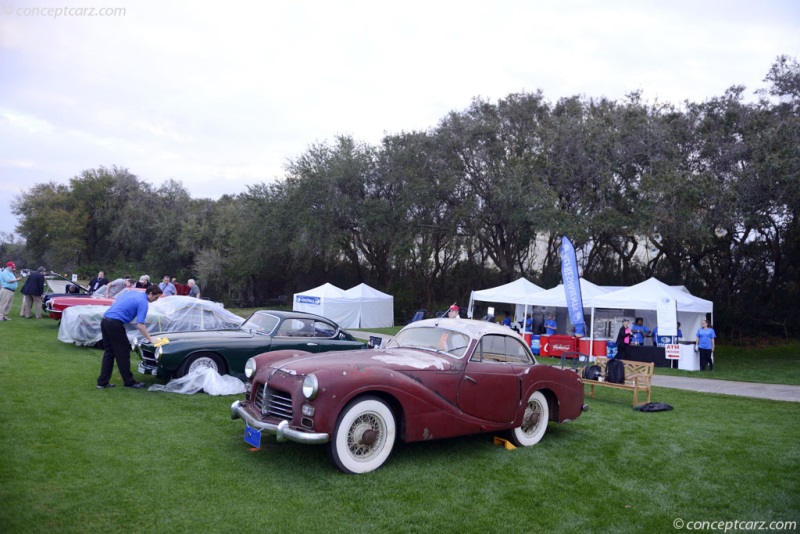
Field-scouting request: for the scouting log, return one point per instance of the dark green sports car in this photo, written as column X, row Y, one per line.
column 226, row 351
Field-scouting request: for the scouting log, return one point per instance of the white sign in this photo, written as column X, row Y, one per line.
column 666, row 308
column 672, row 352
column 74, row 277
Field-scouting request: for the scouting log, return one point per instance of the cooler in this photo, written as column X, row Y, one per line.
column 544, row 345
column 559, row 344
column 598, row 346
column 611, row 349
column 527, row 337
column 535, row 345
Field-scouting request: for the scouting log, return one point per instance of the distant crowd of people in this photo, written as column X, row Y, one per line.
column 33, row 288
column 168, row 286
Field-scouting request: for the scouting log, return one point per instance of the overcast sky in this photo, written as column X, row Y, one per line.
column 220, row 95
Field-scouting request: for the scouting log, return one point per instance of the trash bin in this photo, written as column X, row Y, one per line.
column 535, row 344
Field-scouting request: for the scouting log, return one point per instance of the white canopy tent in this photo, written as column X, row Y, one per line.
column 375, row 309
column 643, row 299
column 517, row 292
column 328, row 301
column 359, row 307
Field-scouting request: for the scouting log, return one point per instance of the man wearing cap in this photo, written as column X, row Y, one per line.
column 129, row 306
column 453, row 312
column 32, row 291
column 8, row 286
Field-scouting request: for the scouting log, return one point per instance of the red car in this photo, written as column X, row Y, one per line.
column 56, row 305
column 438, row 378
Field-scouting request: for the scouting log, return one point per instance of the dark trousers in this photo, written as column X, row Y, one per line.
column 705, row 359
column 117, row 347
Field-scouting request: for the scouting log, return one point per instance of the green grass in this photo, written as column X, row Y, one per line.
column 78, row 459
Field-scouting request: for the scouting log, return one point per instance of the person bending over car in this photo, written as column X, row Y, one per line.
column 128, row 306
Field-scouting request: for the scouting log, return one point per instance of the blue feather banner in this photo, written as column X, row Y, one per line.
column 572, row 285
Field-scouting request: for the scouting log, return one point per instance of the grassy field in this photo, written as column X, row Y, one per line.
column 78, row 459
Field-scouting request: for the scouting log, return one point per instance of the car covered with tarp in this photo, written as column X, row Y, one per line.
column 81, row 324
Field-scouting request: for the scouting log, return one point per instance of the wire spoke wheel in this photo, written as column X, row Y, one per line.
column 534, row 422
column 364, row 436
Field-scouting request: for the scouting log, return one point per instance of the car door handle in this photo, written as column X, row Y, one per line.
column 312, row 344
column 467, row 377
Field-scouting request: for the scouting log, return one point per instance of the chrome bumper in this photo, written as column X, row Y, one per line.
column 281, row 431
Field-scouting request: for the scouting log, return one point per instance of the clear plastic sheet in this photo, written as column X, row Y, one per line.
column 202, row 379
column 81, row 324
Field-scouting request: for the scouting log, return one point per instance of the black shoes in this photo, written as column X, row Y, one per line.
column 109, row 385
column 136, row 385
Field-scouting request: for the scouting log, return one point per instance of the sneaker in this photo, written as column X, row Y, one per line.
column 136, row 385
column 106, row 386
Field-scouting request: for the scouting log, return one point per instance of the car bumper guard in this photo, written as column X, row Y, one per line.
column 282, row 431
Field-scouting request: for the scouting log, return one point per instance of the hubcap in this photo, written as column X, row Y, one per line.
column 366, row 437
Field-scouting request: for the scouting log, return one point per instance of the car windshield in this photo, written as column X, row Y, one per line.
column 261, row 323
column 433, row 338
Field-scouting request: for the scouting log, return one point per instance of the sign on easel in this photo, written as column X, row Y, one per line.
column 672, row 352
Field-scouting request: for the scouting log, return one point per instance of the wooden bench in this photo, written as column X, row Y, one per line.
column 638, row 377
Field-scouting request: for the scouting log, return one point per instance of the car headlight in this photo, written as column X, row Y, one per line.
column 310, row 387
column 250, row 368
column 158, row 352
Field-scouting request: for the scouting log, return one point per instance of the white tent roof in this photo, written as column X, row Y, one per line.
column 325, row 290
column 645, row 295
column 516, row 292
column 367, row 293
column 557, row 297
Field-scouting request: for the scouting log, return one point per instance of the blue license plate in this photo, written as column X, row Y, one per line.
column 252, row 436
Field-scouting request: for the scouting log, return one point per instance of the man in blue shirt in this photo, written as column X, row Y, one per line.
column 507, row 320
column 8, row 286
column 129, row 306
column 167, row 287
column 550, row 326
column 639, row 331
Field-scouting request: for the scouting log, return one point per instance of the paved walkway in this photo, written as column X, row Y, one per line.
column 728, row 387
column 705, row 385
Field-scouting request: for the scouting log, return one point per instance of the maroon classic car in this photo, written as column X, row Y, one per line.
column 437, row 378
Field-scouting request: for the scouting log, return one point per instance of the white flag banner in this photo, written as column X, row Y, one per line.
column 667, row 311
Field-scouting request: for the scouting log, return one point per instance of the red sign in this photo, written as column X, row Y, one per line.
column 672, row 352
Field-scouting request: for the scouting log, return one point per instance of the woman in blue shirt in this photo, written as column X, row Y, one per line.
column 705, row 343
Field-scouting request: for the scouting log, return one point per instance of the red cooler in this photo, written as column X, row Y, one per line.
column 560, row 344
column 527, row 337
column 544, row 345
column 598, row 346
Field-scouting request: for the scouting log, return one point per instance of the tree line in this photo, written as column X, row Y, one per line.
column 704, row 195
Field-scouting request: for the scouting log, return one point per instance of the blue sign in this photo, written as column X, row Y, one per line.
column 302, row 299
column 572, row 284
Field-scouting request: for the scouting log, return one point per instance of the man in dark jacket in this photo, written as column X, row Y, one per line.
column 32, row 294
column 98, row 281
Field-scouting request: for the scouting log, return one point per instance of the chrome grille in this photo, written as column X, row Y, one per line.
column 273, row 402
column 147, row 356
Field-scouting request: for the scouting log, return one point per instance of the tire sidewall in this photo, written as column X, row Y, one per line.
column 524, row 440
column 340, row 453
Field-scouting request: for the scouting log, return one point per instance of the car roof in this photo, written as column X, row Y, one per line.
column 286, row 314
column 467, row 326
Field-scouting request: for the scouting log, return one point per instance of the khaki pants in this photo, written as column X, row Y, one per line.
column 6, row 298
column 31, row 301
